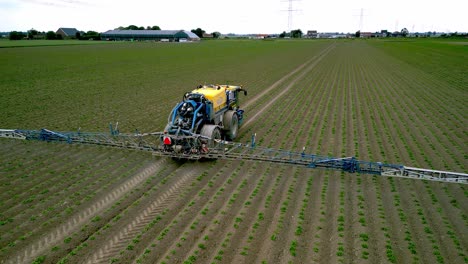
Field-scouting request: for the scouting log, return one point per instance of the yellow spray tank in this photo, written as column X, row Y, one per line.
column 220, row 95
column 215, row 93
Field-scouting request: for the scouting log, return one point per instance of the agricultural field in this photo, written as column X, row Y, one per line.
column 399, row 102
column 5, row 43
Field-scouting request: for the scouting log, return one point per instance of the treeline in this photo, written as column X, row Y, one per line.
column 89, row 35
column 297, row 33
column 51, row 35
column 455, row 35
column 93, row 35
column 202, row 33
column 33, row 34
column 133, row 27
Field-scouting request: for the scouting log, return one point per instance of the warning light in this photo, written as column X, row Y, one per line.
column 167, row 141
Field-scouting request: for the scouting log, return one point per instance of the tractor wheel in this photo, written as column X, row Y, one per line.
column 212, row 132
column 231, row 124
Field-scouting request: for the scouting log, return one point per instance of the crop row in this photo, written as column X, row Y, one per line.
column 355, row 101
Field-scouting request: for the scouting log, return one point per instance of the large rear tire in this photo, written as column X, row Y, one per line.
column 212, row 132
column 231, row 124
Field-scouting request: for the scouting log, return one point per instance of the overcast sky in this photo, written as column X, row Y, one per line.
column 237, row 16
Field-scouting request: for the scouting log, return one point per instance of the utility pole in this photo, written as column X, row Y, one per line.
column 290, row 13
column 361, row 19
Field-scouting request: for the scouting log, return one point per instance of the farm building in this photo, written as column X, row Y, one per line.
column 156, row 35
column 311, row 34
column 67, row 32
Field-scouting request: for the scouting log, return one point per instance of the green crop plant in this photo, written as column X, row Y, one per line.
column 340, row 251
column 293, row 248
column 39, row 260
column 364, row 237
column 191, row 259
column 244, row 251
column 273, row 237
column 362, row 220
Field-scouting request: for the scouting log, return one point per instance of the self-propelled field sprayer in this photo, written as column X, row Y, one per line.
column 205, row 115
column 203, row 126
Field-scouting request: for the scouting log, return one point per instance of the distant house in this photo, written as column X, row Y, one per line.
column 150, row 35
column 260, row 36
column 331, row 35
column 366, row 34
column 207, row 35
column 67, row 32
column 311, row 34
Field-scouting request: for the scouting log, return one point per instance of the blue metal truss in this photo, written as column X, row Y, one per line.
column 235, row 151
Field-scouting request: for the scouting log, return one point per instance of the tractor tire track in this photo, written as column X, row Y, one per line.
column 118, row 242
column 315, row 60
column 60, row 232
column 180, row 219
column 317, row 57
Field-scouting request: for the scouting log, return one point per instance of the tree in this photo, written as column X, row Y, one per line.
column 199, row 32
column 132, row 27
column 32, row 32
column 358, row 34
column 282, row 35
column 15, row 35
column 51, row 35
column 216, row 34
column 78, row 35
column 90, row 35
column 404, row 32
column 296, row 33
